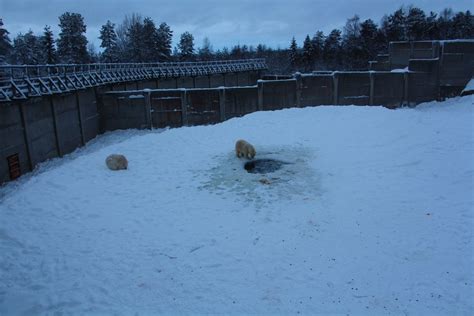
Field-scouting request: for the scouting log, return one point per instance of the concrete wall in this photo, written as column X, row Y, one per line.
column 352, row 88
column 147, row 84
column 388, row 89
column 89, row 115
column 203, row 106
column 202, row 82
column 240, row 101
column 122, row 111
column 218, row 81
column 170, row 83
column 401, row 52
column 68, row 123
column 185, row 82
column 166, row 107
column 12, row 139
column 277, row 94
column 46, row 127
column 457, row 63
column 317, row 90
column 231, row 80
column 423, row 81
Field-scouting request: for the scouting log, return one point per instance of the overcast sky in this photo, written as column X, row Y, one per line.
column 225, row 23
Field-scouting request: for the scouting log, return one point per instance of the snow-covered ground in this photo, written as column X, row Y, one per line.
column 373, row 214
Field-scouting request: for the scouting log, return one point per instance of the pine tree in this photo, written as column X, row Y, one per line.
column 245, row 51
column 261, row 51
column 186, row 47
column 47, row 49
column 236, row 52
column 294, row 54
column 222, row 54
column 93, row 54
column 26, row 49
column 395, row 27
column 332, row 49
column 5, row 43
column 150, row 41
column 165, row 38
column 135, row 49
column 109, row 43
column 462, row 25
column 72, row 43
column 368, row 38
column 206, row 51
column 123, row 40
column 432, row 27
column 308, row 54
column 445, row 23
column 351, row 44
column 416, row 24
column 318, row 46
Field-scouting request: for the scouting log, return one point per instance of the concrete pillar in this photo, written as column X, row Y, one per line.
column 336, row 88
column 406, row 98
column 184, row 107
column 299, row 88
column 55, row 126
column 81, row 126
column 148, row 108
column 372, row 87
column 260, row 94
column 222, row 103
column 24, row 123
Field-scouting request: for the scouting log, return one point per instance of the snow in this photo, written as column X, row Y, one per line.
column 401, row 70
column 469, row 86
column 373, row 214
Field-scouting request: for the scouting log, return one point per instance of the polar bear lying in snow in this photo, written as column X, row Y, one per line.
column 244, row 149
column 116, row 162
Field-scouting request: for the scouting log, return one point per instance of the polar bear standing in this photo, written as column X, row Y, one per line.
column 116, row 162
column 244, row 149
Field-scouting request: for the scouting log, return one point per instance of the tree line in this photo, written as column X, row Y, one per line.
column 139, row 39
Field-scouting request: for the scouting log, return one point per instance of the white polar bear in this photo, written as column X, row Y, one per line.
column 244, row 149
column 116, row 162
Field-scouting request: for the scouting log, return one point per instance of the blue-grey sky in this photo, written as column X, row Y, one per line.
column 225, row 23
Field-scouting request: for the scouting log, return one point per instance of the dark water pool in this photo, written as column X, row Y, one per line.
column 263, row 165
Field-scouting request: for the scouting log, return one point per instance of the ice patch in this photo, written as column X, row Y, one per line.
column 295, row 179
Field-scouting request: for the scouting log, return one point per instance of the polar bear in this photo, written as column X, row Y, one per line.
column 116, row 162
column 244, row 149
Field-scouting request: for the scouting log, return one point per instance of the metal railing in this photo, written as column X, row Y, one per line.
column 24, row 81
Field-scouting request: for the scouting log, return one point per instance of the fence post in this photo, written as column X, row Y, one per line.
column 299, row 88
column 222, row 103
column 372, row 87
column 406, row 97
column 81, row 125
column 55, row 126
column 148, row 108
column 184, row 107
column 24, row 123
column 260, row 94
column 336, row 87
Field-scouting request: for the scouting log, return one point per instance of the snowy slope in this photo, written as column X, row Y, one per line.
column 373, row 214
